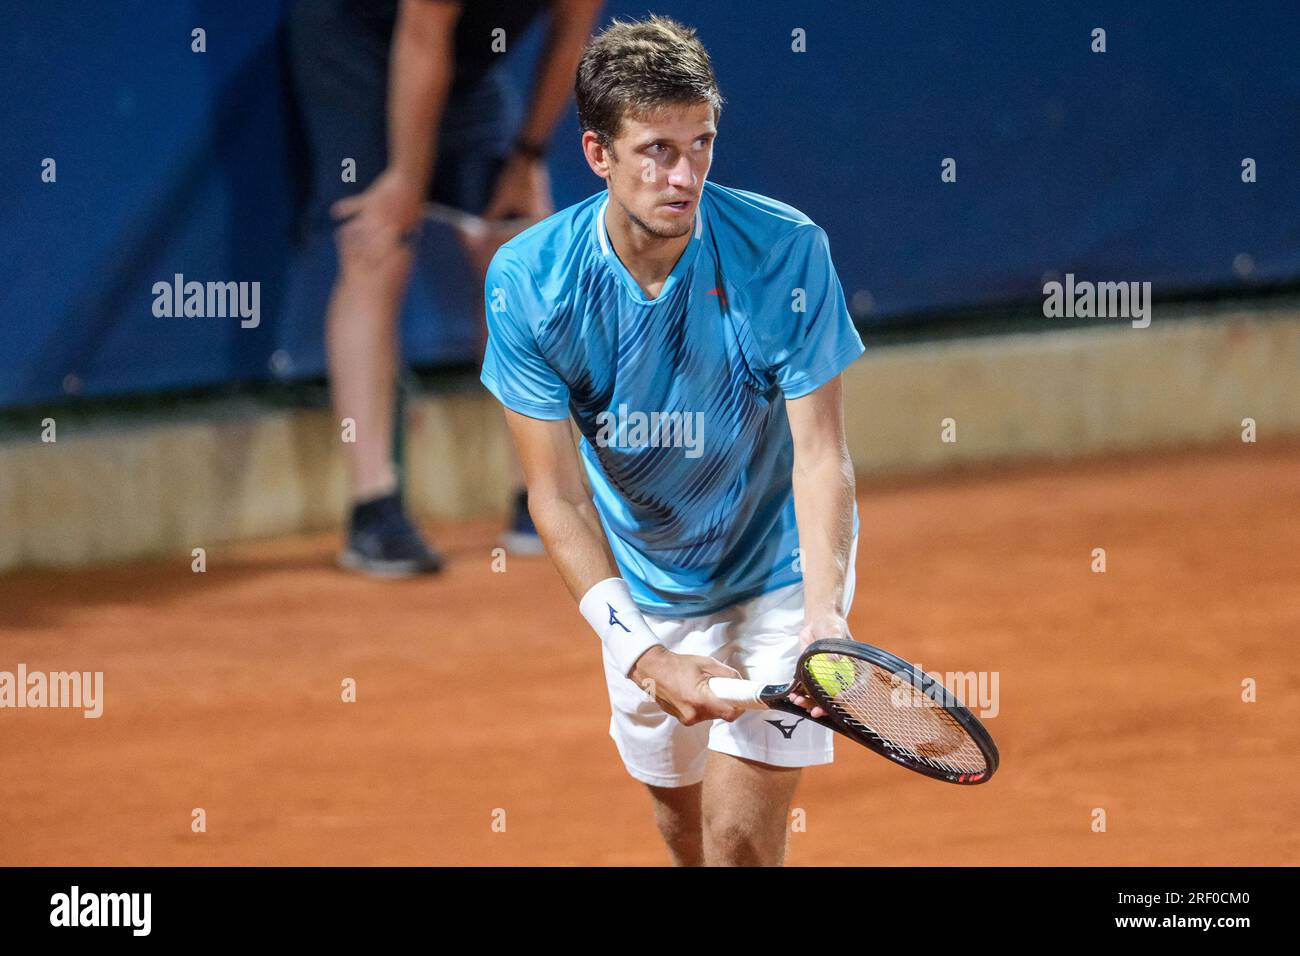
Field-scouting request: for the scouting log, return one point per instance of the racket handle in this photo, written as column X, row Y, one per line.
column 471, row 225
column 744, row 693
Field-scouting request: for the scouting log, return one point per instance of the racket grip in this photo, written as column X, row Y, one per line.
column 744, row 693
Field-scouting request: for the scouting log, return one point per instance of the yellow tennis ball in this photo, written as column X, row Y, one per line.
column 833, row 674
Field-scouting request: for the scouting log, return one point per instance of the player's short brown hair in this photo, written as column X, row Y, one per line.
column 635, row 68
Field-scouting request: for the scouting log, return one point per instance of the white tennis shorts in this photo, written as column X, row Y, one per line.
column 759, row 638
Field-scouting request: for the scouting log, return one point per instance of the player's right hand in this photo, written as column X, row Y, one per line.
column 376, row 222
column 680, row 684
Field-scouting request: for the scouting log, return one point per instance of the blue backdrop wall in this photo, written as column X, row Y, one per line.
column 1123, row 165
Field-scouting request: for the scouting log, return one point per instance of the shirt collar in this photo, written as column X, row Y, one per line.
column 683, row 262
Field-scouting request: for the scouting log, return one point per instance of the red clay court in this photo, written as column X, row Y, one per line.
column 482, row 691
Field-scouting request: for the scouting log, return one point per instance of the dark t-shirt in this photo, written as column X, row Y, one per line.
column 474, row 29
column 479, row 19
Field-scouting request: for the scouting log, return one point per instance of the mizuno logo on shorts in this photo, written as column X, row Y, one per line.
column 785, row 731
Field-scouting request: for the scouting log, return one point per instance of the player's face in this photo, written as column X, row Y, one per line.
column 659, row 165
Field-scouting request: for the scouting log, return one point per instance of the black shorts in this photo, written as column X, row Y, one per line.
column 338, row 58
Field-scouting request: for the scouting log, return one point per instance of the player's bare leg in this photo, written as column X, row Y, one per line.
column 361, row 338
column 746, row 811
column 677, row 813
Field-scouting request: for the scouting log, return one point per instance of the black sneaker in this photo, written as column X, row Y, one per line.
column 520, row 536
column 383, row 543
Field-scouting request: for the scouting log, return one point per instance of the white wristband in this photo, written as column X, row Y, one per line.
column 612, row 614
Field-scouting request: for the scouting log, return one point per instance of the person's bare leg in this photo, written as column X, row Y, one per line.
column 677, row 814
column 361, row 339
column 746, row 808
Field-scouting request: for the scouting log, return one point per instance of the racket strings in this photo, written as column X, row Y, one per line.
column 905, row 718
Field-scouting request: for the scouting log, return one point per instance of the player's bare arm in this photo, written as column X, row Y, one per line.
column 567, row 521
column 559, row 503
column 824, row 487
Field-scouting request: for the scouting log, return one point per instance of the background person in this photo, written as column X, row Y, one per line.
column 450, row 137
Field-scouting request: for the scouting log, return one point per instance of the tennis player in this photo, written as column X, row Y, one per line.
column 695, row 334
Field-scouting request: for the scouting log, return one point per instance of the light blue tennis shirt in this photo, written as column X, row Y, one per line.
column 680, row 399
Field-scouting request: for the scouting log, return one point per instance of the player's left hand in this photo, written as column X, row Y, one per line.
column 823, row 627
column 523, row 190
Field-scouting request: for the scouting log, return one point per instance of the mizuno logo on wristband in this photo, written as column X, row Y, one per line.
column 613, row 618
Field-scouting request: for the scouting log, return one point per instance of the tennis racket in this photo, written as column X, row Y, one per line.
column 474, row 227
column 882, row 702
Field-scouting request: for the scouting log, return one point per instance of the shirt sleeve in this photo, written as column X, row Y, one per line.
column 799, row 318
column 514, row 369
